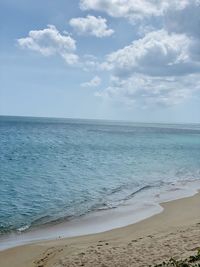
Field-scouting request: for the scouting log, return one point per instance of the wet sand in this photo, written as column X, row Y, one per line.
column 173, row 233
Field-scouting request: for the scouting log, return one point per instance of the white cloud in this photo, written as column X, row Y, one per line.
column 95, row 82
column 49, row 42
column 96, row 26
column 118, row 8
column 158, row 54
column 133, row 9
column 162, row 67
column 144, row 91
column 185, row 20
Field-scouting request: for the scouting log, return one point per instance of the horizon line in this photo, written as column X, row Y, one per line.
column 97, row 119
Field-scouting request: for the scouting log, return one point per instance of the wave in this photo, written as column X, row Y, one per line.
column 146, row 187
column 114, row 204
column 23, row 228
column 100, row 205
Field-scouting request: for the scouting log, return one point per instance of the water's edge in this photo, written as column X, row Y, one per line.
column 133, row 211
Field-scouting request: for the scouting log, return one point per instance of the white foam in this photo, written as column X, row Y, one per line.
column 141, row 206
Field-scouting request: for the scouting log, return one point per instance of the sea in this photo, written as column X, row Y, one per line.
column 59, row 170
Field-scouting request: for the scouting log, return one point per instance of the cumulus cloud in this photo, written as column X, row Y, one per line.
column 158, row 54
column 132, row 9
column 185, row 20
column 91, row 25
column 155, row 70
column 162, row 67
column 144, row 91
column 49, row 42
column 95, row 82
column 118, row 8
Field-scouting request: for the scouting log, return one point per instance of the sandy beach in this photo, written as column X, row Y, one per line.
column 173, row 233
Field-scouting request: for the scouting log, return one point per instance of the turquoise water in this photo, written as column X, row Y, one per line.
column 53, row 170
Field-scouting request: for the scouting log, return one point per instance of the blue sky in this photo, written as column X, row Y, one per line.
column 105, row 59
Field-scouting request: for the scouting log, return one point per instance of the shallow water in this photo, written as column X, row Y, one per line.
column 53, row 170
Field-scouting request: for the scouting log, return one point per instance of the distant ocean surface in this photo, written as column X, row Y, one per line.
column 52, row 170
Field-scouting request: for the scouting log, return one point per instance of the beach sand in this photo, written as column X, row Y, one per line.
column 173, row 233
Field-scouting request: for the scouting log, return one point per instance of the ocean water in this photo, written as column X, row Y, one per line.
column 55, row 170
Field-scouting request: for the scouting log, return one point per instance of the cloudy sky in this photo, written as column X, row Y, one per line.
column 133, row 60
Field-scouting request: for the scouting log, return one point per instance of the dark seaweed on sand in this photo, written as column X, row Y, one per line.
column 192, row 261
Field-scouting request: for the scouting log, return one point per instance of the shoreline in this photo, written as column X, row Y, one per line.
column 178, row 217
column 133, row 211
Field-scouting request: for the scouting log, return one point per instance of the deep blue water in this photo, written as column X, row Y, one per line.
column 55, row 169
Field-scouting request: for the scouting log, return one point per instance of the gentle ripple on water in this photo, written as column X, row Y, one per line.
column 57, row 169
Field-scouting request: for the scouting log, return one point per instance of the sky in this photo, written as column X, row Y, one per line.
column 134, row 60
